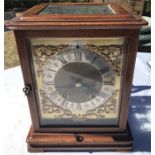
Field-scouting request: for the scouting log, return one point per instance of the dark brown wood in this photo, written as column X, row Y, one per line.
column 31, row 20
column 23, row 57
column 122, row 24
column 114, row 141
column 122, row 14
column 128, row 76
column 73, row 25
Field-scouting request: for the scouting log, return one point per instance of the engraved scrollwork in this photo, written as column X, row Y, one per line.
column 111, row 53
column 48, row 106
column 43, row 52
column 109, row 107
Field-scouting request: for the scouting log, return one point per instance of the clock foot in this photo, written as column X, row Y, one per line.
column 57, row 142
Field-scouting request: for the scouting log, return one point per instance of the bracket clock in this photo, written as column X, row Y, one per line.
column 77, row 62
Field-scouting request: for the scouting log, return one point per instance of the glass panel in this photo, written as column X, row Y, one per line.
column 76, row 9
column 78, row 80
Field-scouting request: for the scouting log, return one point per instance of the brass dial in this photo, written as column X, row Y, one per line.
column 78, row 80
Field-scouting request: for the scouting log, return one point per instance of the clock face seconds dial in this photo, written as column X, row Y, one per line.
column 78, row 80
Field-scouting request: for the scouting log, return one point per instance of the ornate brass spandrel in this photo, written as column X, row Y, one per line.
column 111, row 53
column 43, row 52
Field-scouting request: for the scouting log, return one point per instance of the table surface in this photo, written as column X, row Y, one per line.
column 19, row 118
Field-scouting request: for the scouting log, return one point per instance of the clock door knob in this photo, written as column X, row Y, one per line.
column 79, row 138
column 27, row 89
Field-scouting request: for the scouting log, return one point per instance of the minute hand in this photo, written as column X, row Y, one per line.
column 102, row 71
column 90, row 88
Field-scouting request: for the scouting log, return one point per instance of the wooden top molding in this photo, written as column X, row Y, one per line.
column 32, row 20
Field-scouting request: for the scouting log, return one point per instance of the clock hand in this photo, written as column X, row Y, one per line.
column 81, row 81
column 102, row 71
column 69, row 86
column 75, row 79
column 91, row 89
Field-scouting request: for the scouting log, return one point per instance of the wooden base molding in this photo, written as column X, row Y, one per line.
column 46, row 142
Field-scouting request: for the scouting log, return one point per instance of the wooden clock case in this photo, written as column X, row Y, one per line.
column 122, row 24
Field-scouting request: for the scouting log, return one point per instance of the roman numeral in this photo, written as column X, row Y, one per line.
column 78, row 106
column 64, row 102
column 108, row 82
column 104, row 70
column 62, row 60
column 94, row 59
column 78, row 56
column 93, row 103
column 54, row 93
column 49, row 83
column 51, row 70
column 103, row 94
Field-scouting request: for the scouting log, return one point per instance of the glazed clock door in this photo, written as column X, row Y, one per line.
column 78, row 80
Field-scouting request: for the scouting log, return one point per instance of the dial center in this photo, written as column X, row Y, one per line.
column 79, row 81
column 78, row 84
